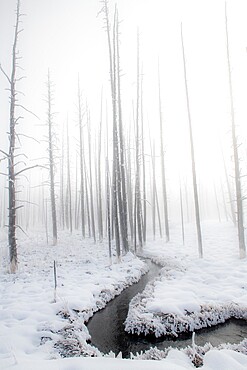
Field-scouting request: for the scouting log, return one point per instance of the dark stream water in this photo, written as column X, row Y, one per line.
column 106, row 327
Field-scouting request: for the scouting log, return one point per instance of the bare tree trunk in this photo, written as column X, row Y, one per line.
column 155, row 196
column 90, row 180
column 129, row 192
column 12, row 224
column 137, row 184
column 162, row 156
column 70, row 223
column 87, row 202
column 240, row 216
column 113, row 79
column 158, row 209
column 143, row 170
column 197, row 212
column 108, row 210
column 100, row 212
column 50, row 115
column 116, row 188
column 123, row 205
column 76, row 194
column 62, row 183
column 82, row 203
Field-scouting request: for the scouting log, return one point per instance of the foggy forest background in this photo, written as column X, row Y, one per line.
column 104, row 144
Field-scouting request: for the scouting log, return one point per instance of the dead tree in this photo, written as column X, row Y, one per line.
column 51, row 145
column 129, row 191
column 123, row 212
column 237, row 177
column 82, row 195
column 13, row 121
column 87, row 200
column 163, row 174
column 90, row 176
column 116, row 176
column 143, row 168
column 113, row 81
column 76, row 193
column 68, row 192
column 138, row 207
column 62, row 183
column 108, row 210
column 155, row 200
column 108, row 227
column 13, row 172
column 197, row 211
column 99, row 193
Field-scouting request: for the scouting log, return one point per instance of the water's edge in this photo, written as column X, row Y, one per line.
column 107, row 330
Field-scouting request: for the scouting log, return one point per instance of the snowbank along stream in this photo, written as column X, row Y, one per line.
column 106, row 327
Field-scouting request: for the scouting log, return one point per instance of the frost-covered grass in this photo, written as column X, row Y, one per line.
column 32, row 324
column 36, row 332
column 192, row 293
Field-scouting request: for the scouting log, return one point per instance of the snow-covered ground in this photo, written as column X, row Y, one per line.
column 192, row 293
column 35, row 331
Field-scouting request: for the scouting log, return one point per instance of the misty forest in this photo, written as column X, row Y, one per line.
column 123, row 162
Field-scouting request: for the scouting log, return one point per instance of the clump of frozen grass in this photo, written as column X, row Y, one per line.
column 73, row 337
column 151, row 354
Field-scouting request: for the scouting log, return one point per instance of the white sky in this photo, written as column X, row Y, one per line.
column 68, row 37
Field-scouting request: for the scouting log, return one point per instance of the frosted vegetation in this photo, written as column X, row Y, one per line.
column 192, row 294
column 38, row 324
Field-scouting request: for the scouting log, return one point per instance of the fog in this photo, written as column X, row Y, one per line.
column 70, row 40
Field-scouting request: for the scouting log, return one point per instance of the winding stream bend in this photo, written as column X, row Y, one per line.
column 106, row 327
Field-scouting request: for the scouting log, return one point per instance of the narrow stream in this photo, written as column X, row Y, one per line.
column 107, row 330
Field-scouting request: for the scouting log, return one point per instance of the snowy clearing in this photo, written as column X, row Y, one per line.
column 192, row 293
column 36, row 332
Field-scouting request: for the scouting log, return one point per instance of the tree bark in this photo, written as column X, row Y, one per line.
column 11, row 155
column 51, row 160
column 137, row 184
column 82, row 197
column 70, row 223
column 163, row 174
column 123, row 198
column 197, row 211
column 100, row 212
column 240, row 216
column 90, row 179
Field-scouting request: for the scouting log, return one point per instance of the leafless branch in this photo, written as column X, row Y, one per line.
column 18, row 207
column 7, row 155
column 19, row 227
column 29, row 168
column 27, row 110
column 29, row 137
column 5, row 74
column 26, row 201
